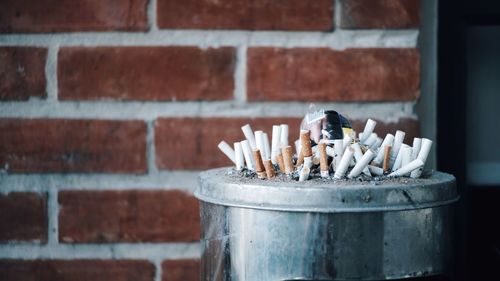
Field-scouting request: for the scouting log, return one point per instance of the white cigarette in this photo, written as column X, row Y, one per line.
column 371, row 139
column 226, row 149
column 344, row 163
column 247, row 153
column 417, row 143
column 370, row 125
column 376, row 170
column 338, row 148
column 388, row 140
column 376, row 145
column 398, row 141
column 259, row 140
column 267, row 147
column 284, row 135
column 346, row 142
column 297, row 147
column 247, row 131
column 413, row 165
column 422, row 155
column 358, row 155
column 306, row 169
column 238, row 156
column 399, row 158
column 405, row 156
column 362, row 164
column 275, row 144
column 330, row 151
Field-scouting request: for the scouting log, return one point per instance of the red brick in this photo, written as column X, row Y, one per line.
column 250, row 15
column 23, row 217
column 22, row 72
column 181, row 270
column 146, row 73
column 191, row 143
column 365, row 14
column 410, row 126
column 128, row 216
column 72, row 15
column 61, row 145
column 76, row 270
column 320, row 74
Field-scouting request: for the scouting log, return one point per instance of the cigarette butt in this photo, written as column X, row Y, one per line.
column 388, row 140
column 415, row 149
column 284, row 135
column 259, row 166
column 405, row 156
column 267, row 147
column 422, row 155
column 300, row 159
column 281, row 162
column 413, row 165
column 362, row 164
column 227, row 150
column 338, row 148
column 323, row 159
column 376, row 170
column 247, row 153
column 387, row 157
column 346, row 142
column 238, row 156
column 268, row 165
column 399, row 157
column 306, row 169
column 315, row 160
column 398, row 141
column 376, row 145
column 275, row 143
column 259, row 140
column 371, row 139
column 344, row 163
column 358, row 155
column 287, row 159
column 247, row 131
column 370, row 125
column 305, row 143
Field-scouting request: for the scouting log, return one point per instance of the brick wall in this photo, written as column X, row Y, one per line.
column 109, row 108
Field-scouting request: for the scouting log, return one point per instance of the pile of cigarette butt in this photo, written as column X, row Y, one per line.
column 328, row 147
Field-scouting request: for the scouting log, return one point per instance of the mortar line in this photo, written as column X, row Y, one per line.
column 339, row 39
column 240, row 75
column 53, row 216
column 151, row 151
column 120, row 110
column 51, row 73
column 337, row 14
column 151, row 14
column 159, row 270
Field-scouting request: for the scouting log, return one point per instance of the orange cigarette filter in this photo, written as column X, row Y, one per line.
column 271, row 173
column 387, row 157
column 305, row 142
column 323, row 157
column 287, row 159
column 259, row 166
column 281, row 162
column 300, row 158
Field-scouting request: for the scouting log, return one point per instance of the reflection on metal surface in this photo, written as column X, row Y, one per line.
column 250, row 243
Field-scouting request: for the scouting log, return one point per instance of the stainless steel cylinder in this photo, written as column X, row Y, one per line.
column 320, row 230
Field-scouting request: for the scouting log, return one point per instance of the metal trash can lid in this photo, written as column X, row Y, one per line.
column 224, row 186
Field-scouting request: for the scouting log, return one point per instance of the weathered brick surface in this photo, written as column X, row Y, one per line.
column 62, row 145
column 320, row 74
column 364, row 14
column 181, row 270
column 146, row 73
column 191, row 143
column 23, row 217
column 242, row 14
column 128, row 216
column 76, row 270
column 22, row 72
column 72, row 15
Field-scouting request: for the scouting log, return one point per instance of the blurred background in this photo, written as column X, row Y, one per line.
column 110, row 108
